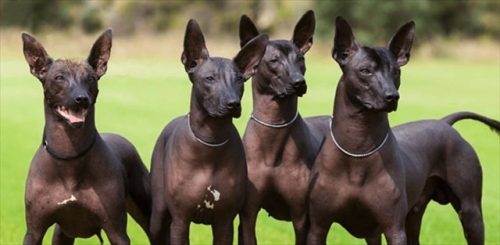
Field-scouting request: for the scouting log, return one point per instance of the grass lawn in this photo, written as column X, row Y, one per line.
column 142, row 92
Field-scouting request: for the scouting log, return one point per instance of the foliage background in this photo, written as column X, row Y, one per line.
column 455, row 66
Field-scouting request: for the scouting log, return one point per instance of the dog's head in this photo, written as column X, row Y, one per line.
column 283, row 67
column 372, row 75
column 218, row 82
column 70, row 88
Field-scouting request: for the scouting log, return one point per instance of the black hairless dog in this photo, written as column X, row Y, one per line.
column 280, row 145
column 372, row 179
column 198, row 166
column 79, row 179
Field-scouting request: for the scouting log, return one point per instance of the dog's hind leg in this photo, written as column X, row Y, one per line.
column 468, row 208
column 472, row 222
column 138, row 202
column 59, row 238
column 464, row 179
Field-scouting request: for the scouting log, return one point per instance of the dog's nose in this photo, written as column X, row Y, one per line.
column 391, row 96
column 233, row 104
column 299, row 83
column 82, row 100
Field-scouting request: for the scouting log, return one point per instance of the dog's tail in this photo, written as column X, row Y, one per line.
column 457, row 116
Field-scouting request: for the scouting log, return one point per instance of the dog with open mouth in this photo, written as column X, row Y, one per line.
column 80, row 180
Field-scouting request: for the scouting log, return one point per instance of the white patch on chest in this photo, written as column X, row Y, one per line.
column 65, row 201
column 208, row 203
column 214, row 192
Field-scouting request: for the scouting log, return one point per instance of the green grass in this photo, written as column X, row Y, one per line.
column 138, row 96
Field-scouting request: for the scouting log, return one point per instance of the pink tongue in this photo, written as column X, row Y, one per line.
column 75, row 117
column 72, row 116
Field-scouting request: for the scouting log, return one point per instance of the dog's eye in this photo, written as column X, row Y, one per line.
column 300, row 58
column 59, row 78
column 274, row 60
column 210, row 78
column 365, row 71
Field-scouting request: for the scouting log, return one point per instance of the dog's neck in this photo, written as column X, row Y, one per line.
column 269, row 109
column 205, row 127
column 64, row 140
column 357, row 130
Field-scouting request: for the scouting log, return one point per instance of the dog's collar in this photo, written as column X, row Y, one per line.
column 286, row 124
column 202, row 141
column 67, row 158
column 356, row 155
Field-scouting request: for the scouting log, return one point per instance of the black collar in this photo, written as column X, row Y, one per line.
column 67, row 158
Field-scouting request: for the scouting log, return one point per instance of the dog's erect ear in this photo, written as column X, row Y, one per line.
column 36, row 56
column 248, row 30
column 304, row 31
column 250, row 55
column 344, row 43
column 400, row 44
column 100, row 53
column 195, row 52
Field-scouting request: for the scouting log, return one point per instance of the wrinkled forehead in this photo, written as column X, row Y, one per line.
column 218, row 65
column 71, row 67
column 280, row 46
column 376, row 57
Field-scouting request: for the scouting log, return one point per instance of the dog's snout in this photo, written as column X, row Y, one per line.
column 392, row 96
column 233, row 104
column 82, row 100
column 298, row 83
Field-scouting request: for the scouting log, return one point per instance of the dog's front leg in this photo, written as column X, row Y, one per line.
column 34, row 236
column 160, row 225
column 375, row 240
column 223, row 232
column 248, row 218
column 300, row 225
column 116, row 229
column 318, row 230
column 118, row 238
column 396, row 236
column 37, row 226
column 179, row 231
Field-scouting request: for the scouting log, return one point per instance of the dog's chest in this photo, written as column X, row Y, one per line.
column 76, row 218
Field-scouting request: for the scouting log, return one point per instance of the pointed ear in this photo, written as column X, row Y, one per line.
column 248, row 30
column 304, row 31
column 344, row 43
column 36, row 56
column 249, row 57
column 100, row 53
column 400, row 44
column 195, row 52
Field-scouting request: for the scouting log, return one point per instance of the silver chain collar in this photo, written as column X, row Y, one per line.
column 202, row 141
column 275, row 125
column 357, row 155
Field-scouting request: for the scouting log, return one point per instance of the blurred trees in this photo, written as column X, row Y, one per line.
column 375, row 20
column 372, row 20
